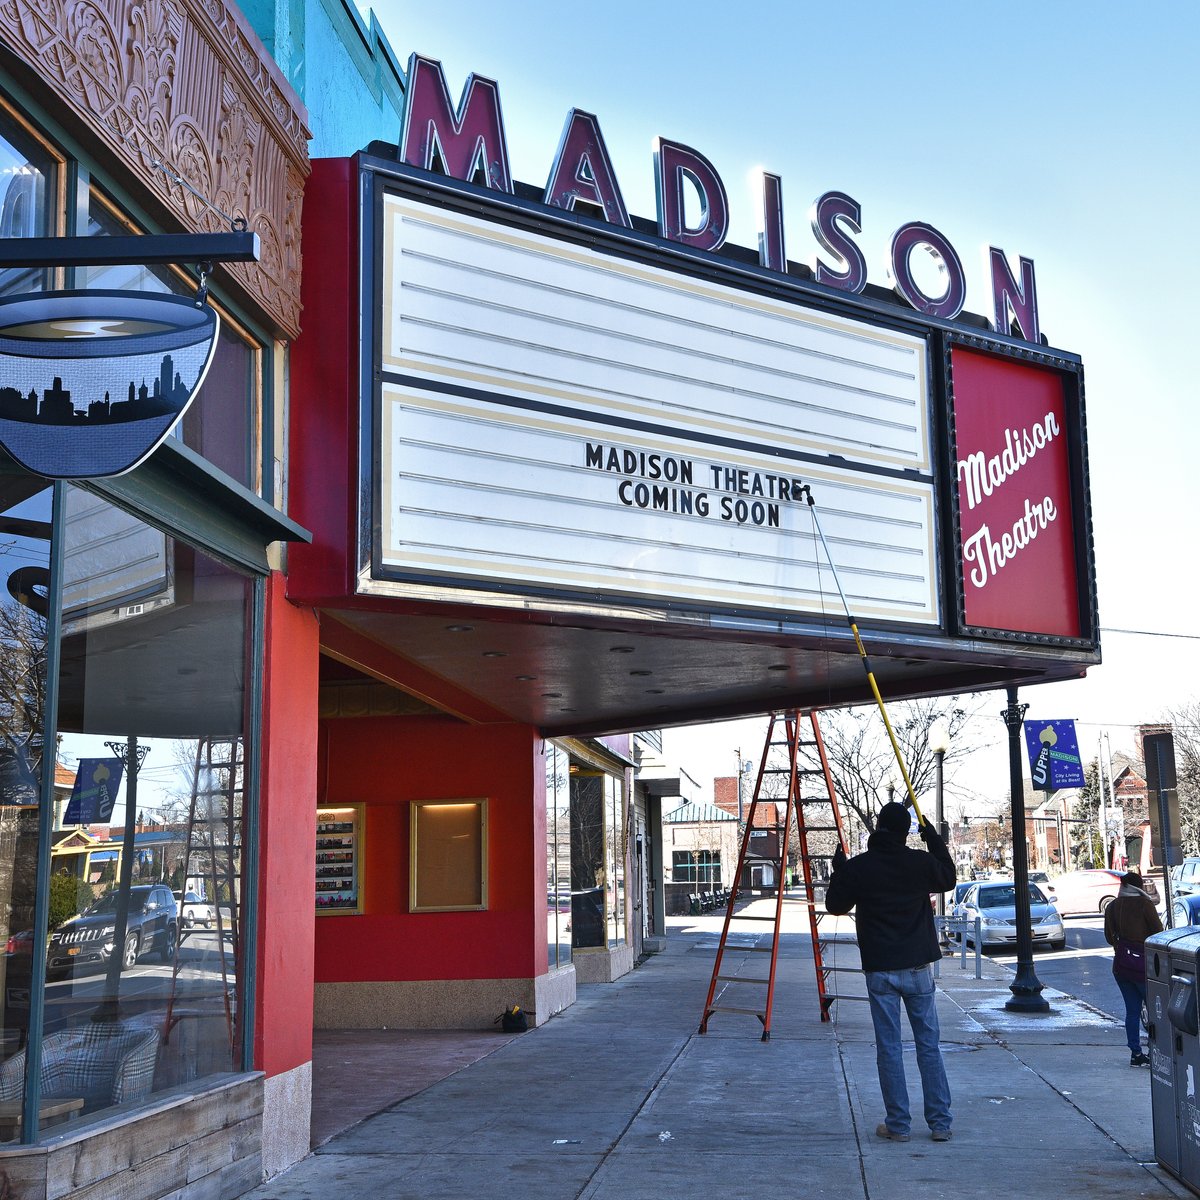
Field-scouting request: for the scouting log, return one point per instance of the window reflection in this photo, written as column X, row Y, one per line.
column 597, row 822
column 558, row 857
column 24, row 563
column 25, row 173
column 144, row 949
column 616, row 866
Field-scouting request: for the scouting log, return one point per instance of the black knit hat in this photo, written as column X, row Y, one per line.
column 893, row 818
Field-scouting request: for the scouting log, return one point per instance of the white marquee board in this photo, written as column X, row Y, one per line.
column 534, row 389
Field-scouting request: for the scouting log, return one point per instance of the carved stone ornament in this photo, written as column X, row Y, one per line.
column 184, row 85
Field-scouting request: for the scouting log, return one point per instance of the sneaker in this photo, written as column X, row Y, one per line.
column 1138, row 1059
column 890, row 1135
column 942, row 1135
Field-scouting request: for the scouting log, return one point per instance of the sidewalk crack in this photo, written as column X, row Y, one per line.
column 587, row 1183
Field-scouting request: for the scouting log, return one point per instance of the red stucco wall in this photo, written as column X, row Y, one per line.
column 323, row 414
column 283, row 1028
column 386, row 762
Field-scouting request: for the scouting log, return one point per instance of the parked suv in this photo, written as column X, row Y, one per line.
column 88, row 940
column 1185, row 878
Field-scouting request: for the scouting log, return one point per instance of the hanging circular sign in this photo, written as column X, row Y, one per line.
column 91, row 382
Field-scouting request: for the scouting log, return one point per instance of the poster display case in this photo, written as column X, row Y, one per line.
column 448, row 855
column 339, row 859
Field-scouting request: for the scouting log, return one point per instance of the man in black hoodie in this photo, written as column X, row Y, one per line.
column 889, row 886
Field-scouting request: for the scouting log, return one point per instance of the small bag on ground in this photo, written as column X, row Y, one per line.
column 512, row 1020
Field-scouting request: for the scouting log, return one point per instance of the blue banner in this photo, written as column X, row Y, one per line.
column 95, row 791
column 1054, row 760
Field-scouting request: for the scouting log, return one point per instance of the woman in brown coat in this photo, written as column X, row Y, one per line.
column 1131, row 918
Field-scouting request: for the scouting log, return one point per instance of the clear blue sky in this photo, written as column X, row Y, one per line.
column 1062, row 131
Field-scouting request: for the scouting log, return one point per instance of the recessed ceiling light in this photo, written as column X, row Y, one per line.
column 552, row 695
column 494, row 654
column 641, row 672
column 620, row 649
column 655, row 691
column 525, row 678
column 459, row 628
column 778, row 667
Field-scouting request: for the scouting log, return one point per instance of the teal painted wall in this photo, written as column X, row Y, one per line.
column 342, row 67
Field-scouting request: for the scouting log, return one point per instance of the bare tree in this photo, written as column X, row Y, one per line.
column 862, row 762
column 22, row 697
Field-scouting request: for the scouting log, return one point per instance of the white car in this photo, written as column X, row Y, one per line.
column 193, row 910
column 996, row 905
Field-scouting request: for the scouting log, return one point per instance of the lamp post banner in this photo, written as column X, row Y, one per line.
column 1054, row 760
column 97, row 782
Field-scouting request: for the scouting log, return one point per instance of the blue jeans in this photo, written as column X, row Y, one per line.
column 885, row 990
column 1133, row 994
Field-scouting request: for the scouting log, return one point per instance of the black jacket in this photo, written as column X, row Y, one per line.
column 889, row 885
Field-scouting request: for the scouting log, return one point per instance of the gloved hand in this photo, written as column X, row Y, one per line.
column 927, row 833
column 839, row 859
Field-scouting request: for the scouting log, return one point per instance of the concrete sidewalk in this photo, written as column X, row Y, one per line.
column 619, row 1097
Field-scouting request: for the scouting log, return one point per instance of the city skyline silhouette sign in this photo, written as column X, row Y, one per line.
column 92, row 382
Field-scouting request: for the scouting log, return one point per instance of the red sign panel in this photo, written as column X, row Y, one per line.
column 1014, row 496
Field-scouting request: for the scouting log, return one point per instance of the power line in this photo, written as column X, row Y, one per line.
column 1191, row 637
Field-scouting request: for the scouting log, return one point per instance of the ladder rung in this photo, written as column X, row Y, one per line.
column 741, row 979
column 748, row 917
column 750, row 1012
column 829, row 997
column 846, row 970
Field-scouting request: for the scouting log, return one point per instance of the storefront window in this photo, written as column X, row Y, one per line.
column 26, row 173
column 222, row 423
column 25, row 505
column 615, row 870
column 144, row 954
column 597, row 859
column 558, row 857
column 696, row 866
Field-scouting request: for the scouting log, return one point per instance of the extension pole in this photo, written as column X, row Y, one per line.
column 812, row 504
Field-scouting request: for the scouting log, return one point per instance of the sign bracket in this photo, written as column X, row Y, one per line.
column 238, row 245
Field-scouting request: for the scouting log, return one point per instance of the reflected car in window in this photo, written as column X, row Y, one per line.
column 89, row 940
column 193, row 910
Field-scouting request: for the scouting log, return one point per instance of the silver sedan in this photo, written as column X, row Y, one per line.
column 995, row 904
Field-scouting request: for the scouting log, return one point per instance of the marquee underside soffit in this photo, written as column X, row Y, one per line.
column 566, row 679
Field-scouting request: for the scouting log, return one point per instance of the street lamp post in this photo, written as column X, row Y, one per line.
column 1026, row 988
column 939, row 743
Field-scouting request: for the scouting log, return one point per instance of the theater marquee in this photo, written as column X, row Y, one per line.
column 574, row 415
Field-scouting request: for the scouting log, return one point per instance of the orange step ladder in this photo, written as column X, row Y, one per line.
column 804, row 759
